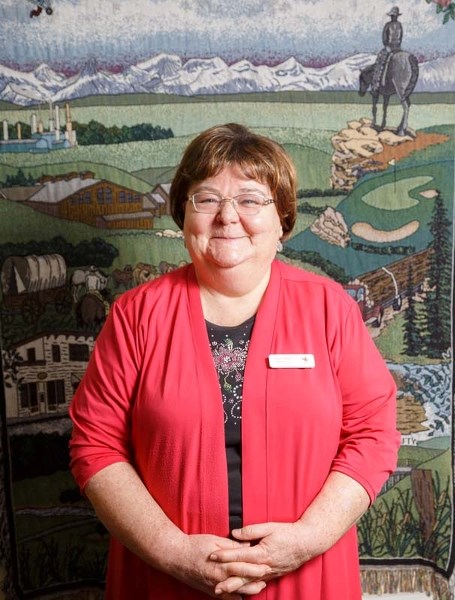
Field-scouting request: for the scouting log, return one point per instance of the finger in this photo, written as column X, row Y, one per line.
column 241, row 585
column 253, row 532
column 249, row 554
column 248, row 571
column 250, row 589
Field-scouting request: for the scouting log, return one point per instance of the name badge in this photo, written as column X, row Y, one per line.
column 291, row 361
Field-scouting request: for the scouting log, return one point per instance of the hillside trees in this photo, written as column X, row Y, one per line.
column 430, row 332
column 437, row 307
column 93, row 133
column 86, row 252
column 18, row 179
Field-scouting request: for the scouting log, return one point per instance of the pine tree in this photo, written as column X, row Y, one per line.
column 412, row 336
column 438, row 312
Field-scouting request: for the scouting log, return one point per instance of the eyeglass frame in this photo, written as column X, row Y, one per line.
column 233, row 202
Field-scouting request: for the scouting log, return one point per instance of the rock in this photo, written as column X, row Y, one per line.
column 331, row 227
column 354, row 146
column 392, row 139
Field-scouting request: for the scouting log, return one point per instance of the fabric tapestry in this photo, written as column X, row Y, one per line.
column 97, row 102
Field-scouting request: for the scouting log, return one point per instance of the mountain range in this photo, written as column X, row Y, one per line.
column 169, row 74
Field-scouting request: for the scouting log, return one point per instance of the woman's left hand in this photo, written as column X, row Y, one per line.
column 284, row 547
column 280, row 546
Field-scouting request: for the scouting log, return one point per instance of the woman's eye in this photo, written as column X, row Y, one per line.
column 248, row 201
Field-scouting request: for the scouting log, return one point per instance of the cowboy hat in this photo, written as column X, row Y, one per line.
column 394, row 12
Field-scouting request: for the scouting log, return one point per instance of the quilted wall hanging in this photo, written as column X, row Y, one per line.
column 97, row 102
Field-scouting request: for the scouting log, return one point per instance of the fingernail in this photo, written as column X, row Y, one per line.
column 213, row 557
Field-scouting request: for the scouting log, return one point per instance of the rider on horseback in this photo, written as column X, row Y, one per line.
column 392, row 35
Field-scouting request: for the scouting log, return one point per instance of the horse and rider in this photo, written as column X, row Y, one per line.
column 394, row 72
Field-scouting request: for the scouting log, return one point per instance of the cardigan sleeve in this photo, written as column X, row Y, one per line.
column 101, row 407
column 369, row 439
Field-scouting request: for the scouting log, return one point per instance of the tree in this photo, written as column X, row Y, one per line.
column 18, row 179
column 438, row 314
column 412, row 337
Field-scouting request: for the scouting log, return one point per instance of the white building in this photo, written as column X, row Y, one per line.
column 42, row 373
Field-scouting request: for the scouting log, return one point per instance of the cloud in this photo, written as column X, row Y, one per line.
column 122, row 31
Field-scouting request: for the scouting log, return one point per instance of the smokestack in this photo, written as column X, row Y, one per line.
column 19, row 131
column 33, row 123
column 51, row 118
column 69, row 125
column 5, row 130
column 57, row 123
column 57, row 117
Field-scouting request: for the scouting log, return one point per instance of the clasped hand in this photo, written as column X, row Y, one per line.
column 196, row 563
column 267, row 551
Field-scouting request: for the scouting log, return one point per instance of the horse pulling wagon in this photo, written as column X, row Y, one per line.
column 30, row 283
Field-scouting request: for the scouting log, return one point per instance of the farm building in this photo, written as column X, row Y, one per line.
column 97, row 202
column 43, row 374
column 158, row 199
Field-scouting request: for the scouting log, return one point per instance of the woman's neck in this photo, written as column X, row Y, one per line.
column 230, row 299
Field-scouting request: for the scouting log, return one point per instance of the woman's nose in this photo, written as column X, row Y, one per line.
column 227, row 211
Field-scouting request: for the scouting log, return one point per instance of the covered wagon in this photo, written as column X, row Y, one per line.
column 31, row 282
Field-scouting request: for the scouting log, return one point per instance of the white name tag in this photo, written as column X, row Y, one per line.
column 291, row 361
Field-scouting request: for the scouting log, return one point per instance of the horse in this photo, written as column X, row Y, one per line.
column 400, row 78
column 91, row 311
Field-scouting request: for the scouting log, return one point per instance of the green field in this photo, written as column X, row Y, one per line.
column 297, row 110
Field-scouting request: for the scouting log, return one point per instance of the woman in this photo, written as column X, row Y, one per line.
column 235, row 420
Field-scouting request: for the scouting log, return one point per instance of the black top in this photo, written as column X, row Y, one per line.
column 229, row 346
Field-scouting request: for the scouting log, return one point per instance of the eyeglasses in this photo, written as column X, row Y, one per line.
column 245, row 204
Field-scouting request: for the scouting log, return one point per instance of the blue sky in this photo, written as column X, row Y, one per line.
column 121, row 32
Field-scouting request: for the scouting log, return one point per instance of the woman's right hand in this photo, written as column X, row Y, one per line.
column 196, row 569
column 142, row 526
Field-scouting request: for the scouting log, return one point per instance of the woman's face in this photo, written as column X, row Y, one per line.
column 227, row 239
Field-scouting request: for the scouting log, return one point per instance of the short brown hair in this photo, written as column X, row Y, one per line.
column 259, row 157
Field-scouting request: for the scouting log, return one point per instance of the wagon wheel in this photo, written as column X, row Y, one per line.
column 63, row 302
column 31, row 310
column 49, row 10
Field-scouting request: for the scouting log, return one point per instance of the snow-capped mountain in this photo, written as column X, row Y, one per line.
column 166, row 66
column 92, row 82
column 438, row 74
column 24, row 87
column 168, row 74
column 49, row 78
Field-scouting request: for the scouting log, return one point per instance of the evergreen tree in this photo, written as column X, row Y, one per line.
column 18, row 179
column 412, row 337
column 438, row 314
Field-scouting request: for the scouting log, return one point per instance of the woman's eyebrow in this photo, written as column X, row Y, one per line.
column 246, row 188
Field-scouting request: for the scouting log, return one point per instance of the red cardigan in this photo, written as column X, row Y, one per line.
column 151, row 397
